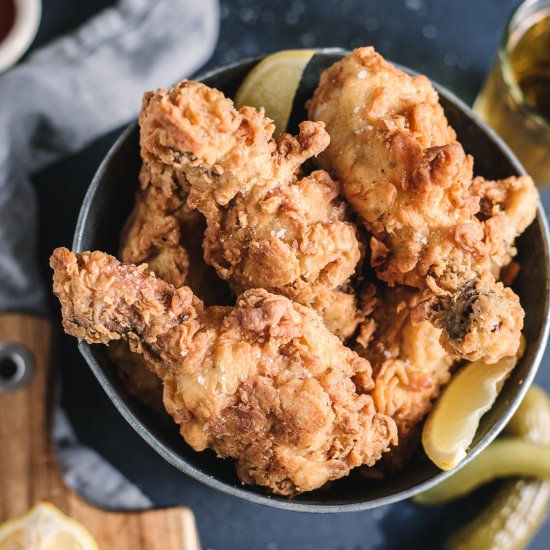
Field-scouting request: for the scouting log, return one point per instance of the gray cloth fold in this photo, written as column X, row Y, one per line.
column 57, row 101
column 91, row 476
column 74, row 90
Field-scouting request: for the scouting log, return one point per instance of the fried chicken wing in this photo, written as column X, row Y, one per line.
column 410, row 181
column 409, row 365
column 263, row 382
column 266, row 228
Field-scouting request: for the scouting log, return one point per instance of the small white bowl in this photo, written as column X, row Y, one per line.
column 22, row 32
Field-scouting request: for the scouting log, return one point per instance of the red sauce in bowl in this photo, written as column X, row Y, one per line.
column 7, row 17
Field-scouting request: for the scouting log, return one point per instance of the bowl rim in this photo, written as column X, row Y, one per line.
column 289, row 505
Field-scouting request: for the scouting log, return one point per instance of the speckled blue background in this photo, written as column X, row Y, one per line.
column 451, row 41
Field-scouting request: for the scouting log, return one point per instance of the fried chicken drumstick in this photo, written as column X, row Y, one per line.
column 266, row 228
column 263, row 382
column 408, row 178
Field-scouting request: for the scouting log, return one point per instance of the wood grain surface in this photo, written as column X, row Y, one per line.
column 28, row 468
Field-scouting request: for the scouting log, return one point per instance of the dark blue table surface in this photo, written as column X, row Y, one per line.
column 452, row 42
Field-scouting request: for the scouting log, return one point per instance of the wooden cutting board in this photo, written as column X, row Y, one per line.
column 28, row 468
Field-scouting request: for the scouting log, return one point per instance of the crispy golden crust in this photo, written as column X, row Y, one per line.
column 507, row 208
column 337, row 307
column 152, row 233
column 265, row 227
column 403, row 171
column 409, row 365
column 264, row 382
column 165, row 233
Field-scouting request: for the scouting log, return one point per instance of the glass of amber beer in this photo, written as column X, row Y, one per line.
column 515, row 99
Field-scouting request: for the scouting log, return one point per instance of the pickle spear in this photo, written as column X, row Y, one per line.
column 519, row 508
column 532, row 419
column 506, row 457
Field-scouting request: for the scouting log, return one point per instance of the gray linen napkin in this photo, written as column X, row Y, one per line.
column 74, row 90
column 57, row 101
column 90, row 475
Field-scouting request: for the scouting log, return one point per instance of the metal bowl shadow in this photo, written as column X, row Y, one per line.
column 109, row 201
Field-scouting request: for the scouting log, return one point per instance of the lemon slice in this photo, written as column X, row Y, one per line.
column 453, row 421
column 45, row 527
column 272, row 84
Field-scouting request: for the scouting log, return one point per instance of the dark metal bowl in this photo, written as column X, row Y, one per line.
column 109, row 201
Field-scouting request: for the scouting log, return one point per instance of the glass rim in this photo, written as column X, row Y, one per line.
column 506, row 69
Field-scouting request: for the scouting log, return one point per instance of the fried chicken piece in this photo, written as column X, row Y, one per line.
column 408, row 178
column 409, row 365
column 265, row 227
column 264, row 382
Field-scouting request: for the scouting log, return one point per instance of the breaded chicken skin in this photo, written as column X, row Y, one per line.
column 409, row 365
column 264, row 382
column 506, row 211
column 404, row 172
column 266, row 227
column 152, row 234
column 165, row 233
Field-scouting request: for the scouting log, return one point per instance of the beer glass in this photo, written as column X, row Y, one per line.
column 515, row 99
